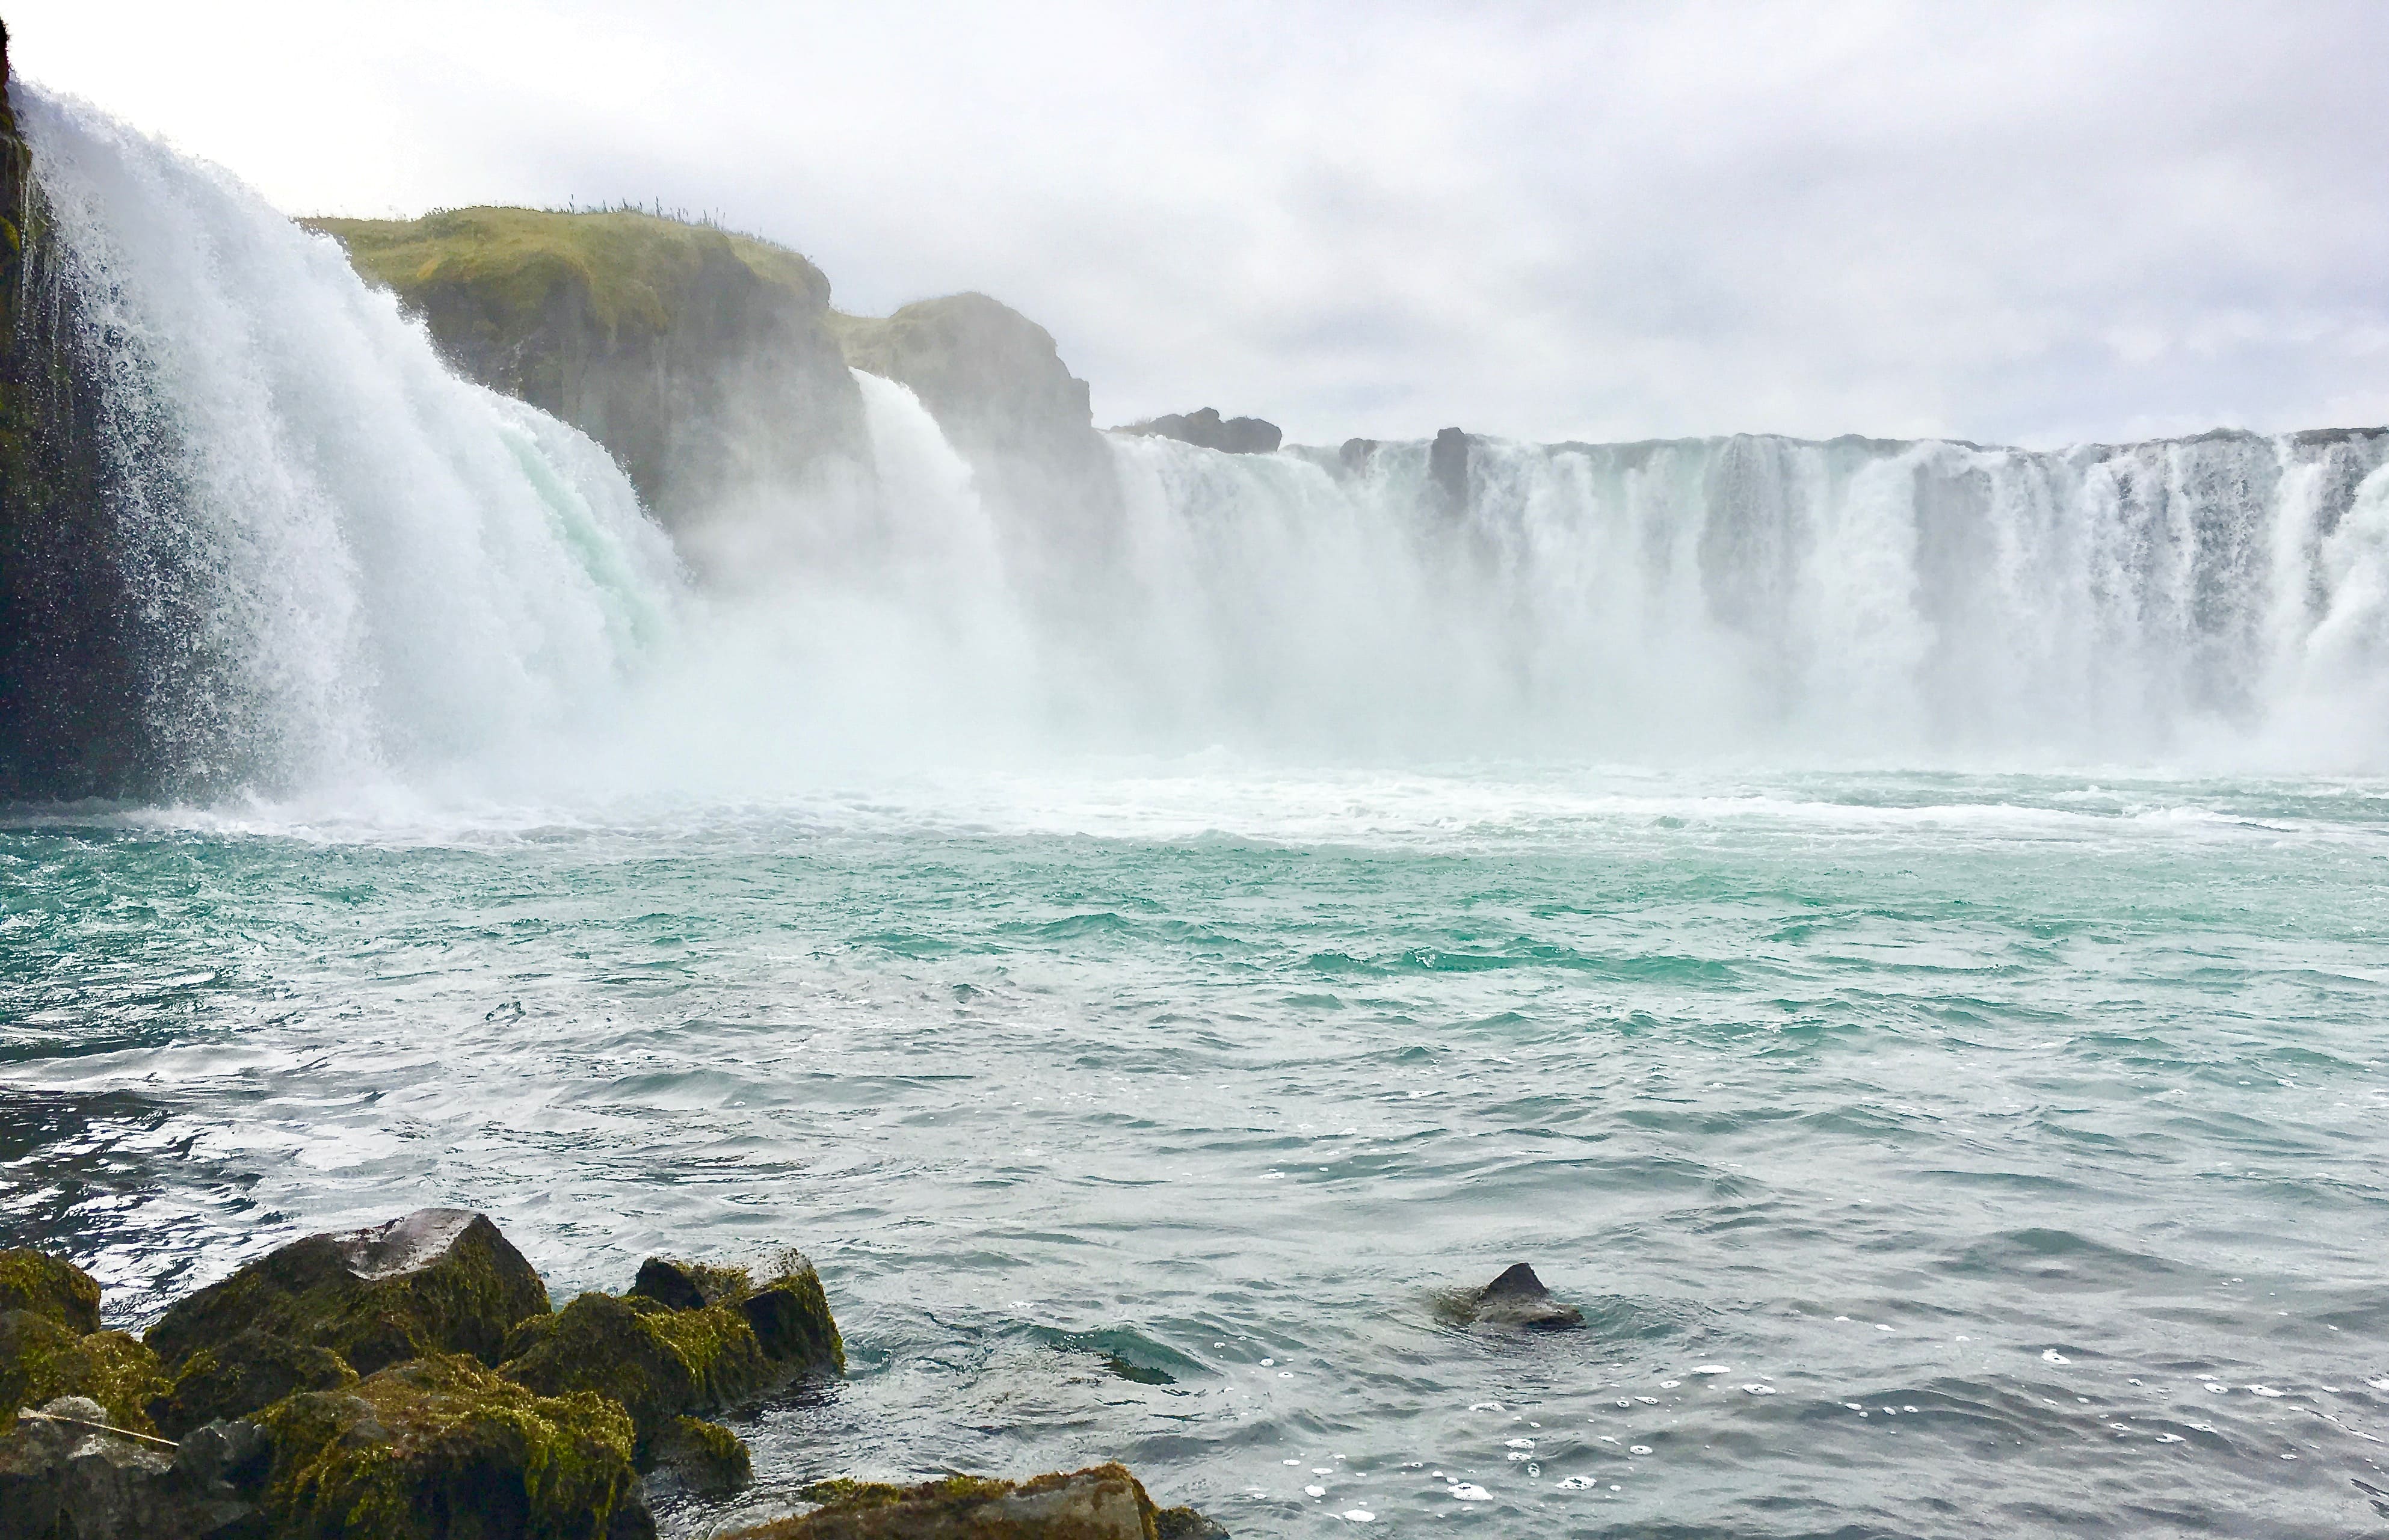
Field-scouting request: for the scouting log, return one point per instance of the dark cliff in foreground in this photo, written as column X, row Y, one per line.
column 75, row 658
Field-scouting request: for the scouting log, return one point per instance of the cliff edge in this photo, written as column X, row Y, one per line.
column 703, row 360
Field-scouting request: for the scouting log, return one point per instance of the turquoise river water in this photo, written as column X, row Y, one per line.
column 1931, row 1154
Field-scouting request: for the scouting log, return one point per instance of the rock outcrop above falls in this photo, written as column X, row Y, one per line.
column 997, row 386
column 1206, row 429
column 703, row 360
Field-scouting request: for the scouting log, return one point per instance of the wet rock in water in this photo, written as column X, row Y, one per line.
column 791, row 1320
column 1103, row 1502
column 442, row 1447
column 657, row 1363
column 1519, row 1298
column 49, row 1286
column 249, row 1372
column 41, row 1360
column 689, row 1285
column 689, row 1338
column 65, row 1472
column 1184, row 1523
column 702, row 1457
column 439, row 1280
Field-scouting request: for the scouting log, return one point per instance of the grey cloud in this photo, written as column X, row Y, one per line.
column 2025, row 221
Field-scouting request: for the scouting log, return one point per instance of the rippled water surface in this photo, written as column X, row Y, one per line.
column 1930, row 1155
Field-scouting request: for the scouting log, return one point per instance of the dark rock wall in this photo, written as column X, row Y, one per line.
column 73, row 685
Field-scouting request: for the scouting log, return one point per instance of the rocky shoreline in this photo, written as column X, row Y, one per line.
column 413, row 1382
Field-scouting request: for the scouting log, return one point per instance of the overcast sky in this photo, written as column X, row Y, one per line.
column 2020, row 222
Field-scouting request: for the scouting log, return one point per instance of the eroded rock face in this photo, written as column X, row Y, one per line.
column 1206, row 429
column 1103, row 1502
column 76, row 657
column 439, row 1280
column 439, row 1447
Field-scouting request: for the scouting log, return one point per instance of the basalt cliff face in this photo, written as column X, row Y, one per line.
column 703, row 360
column 72, row 657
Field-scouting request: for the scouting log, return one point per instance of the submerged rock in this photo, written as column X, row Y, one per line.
column 67, row 1474
column 1184, row 1523
column 49, row 1286
column 443, row 1447
column 1206, row 429
column 249, row 1371
column 701, row 1455
column 1519, row 1298
column 41, row 1360
column 439, row 1280
column 1103, row 1502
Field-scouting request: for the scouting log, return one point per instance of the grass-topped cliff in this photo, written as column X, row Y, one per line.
column 703, row 360
column 634, row 267
column 711, row 366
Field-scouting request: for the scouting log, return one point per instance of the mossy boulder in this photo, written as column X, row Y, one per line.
column 656, row 1362
column 49, row 1286
column 247, row 1373
column 1103, row 1502
column 41, row 1360
column 439, row 1280
column 788, row 1310
column 440, row 1449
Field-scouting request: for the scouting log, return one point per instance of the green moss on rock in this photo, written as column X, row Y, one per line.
column 707, row 1457
column 49, row 1286
column 247, row 1373
column 636, row 269
column 440, row 1449
column 41, row 1360
column 440, row 1280
column 656, row 1362
column 1103, row 1502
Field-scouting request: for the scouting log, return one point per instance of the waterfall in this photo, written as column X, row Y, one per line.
column 347, row 561
column 2212, row 599
column 350, row 565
